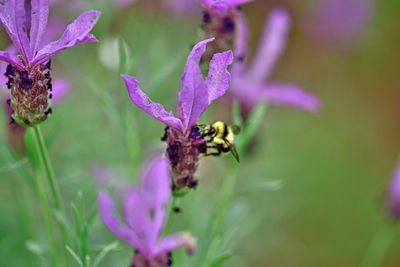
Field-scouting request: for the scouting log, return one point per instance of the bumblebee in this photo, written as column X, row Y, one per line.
column 221, row 138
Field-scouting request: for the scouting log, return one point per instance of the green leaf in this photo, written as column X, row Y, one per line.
column 107, row 249
column 236, row 114
column 221, row 259
column 34, row 247
column 126, row 63
column 84, row 242
column 252, row 126
column 264, row 186
column 74, row 255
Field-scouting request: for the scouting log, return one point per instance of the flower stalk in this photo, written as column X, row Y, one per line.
column 38, row 166
column 40, row 157
column 48, row 169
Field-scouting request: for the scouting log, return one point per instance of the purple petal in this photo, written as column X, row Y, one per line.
column 12, row 15
column 107, row 214
column 394, row 192
column 218, row 76
column 197, row 94
column 145, row 211
column 272, row 44
column 290, row 95
column 77, row 32
column 60, row 90
column 193, row 97
column 176, row 241
column 39, row 15
column 156, row 193
column 10, row 58
column 138, row 217
column 234, row 3
column 241, row 39
column 9, row 55
column 223, row 5
column 155, row 110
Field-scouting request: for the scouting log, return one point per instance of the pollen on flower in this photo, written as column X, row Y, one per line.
column 30, row 93
column 183, row 152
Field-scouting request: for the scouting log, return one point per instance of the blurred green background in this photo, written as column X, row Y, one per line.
column 311, row 191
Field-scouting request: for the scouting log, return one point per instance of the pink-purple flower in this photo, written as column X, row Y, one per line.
column 145, row 212
column 184, row 142
column 29, row 72
column 250, row 83
column 13, row 131
column 394, row 193
column 220, row 20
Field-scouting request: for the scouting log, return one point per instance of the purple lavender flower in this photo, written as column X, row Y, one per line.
column 15, row 132
column 338, row 21
column 184, row 142
column 394, row 193
column 249, row 84
column 29, row 73
column 144, row 212
column 220, row 19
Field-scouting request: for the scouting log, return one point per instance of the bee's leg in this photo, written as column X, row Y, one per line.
column 217, row 151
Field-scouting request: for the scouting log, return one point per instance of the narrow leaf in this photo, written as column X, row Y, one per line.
column 74, row 255
column 107, row 249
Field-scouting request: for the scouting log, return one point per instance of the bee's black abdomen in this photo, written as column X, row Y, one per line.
column 224, row 148
column 225, row 131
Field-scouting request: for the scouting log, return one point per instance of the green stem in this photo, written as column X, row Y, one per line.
column 218, row 219
column 174, row 203
column 55, row 193
column 37, row 162
column 379, row 246
column 48, row 168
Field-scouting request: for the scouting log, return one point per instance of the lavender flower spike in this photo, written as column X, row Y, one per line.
column 249, row 84
column 15, row 132
column 220, row 20
column 394, row 193
column 29, row 73
column 184, row 141
column 144, row 212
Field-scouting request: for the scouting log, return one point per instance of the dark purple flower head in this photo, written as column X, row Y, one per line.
column 394, row 193
column 195, row 96
column 250, row 83
column 30, row 83
column 220, row 19
column 145, row 213
column 13, row 131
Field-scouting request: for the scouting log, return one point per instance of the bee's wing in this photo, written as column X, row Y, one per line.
column 233, row 150
column 235, row 129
